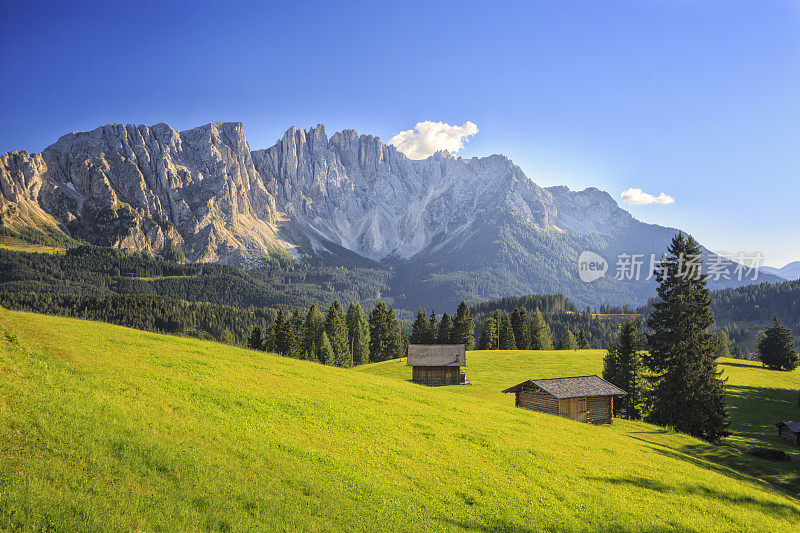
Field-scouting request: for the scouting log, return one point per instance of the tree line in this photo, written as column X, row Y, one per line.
column 521, row 330
column 428, row 329
column 335, row 338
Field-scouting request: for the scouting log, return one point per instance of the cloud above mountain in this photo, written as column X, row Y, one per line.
column 429, row 137
column 639, row 197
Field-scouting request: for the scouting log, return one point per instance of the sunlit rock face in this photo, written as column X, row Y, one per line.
column 147, row 188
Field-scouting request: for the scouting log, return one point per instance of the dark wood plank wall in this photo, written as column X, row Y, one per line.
column 787, row 433
column 599, row 409
column 436, row 375
column 536, row 400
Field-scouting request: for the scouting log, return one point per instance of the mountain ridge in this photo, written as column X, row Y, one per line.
column 203, row 190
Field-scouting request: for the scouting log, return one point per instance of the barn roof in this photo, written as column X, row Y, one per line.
column 573, row 387
column 793, row 426
column 436, row 355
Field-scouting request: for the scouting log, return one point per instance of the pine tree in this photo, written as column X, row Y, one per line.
column 420, row 328
column 294, row 336
column 687, row 391
column 336, row 328
column 723, row 344
column 464, row 327
column 583, row 343
column 776, row 347
column 271, row 338
column 489, row 339
column 445, row 335
column 312, row 332
column 567, row 341
column 519, row 321
column 539, row 332
column 358, row 333
column 255, row 341
column 506, row 334
column 378, row 332
column 281, row 337
column 324, row 352
column 394, row 339
column 433, row 328
column 622, row 366
column 737, row 351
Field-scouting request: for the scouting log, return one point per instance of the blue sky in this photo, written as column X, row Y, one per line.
column 696, row 99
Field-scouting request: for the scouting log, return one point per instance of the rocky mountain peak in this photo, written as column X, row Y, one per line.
column 205, row 190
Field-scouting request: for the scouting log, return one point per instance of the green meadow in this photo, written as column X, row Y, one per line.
column 108, row 428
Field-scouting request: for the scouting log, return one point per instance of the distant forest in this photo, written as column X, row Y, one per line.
column 226, row 303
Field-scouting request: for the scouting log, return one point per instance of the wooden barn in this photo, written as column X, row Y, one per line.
column 584, row 398
column 790, row 430
column 437, row 364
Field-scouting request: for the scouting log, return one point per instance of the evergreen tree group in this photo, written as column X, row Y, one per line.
column 519, row 330
column 335, row 338
column 429, row 329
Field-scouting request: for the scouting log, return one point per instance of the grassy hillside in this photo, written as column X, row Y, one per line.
column 757, row 399
column 103, row 427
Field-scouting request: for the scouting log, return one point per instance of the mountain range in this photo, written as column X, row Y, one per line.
column 447, row 227
column 788, row 272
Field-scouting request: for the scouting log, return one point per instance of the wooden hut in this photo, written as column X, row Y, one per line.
column 437, row 364
column 584, row 398
column 790, row 430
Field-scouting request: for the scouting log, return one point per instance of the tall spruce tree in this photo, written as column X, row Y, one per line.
column 378, row 332
column 567, row 341
column 420, row 328
column 775, row 348
column 489, row 335
column 445, row 335
column 312, row 333
column 324, row 351
column 255, row 341
column 506, row 334
column 623, row 367
column 433, row 328
column 271, row 338
column 539, row 332
column 281, row 337
column 358, row 333
column 722, row 343
column 336, row 328
column 519, row 321
column 687, row 391
column 394, row 338
column 583, row 342
column 464, row 326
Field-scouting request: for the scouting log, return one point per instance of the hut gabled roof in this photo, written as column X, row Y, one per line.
column 793, row 426
column 436, row 355
column 574, row 387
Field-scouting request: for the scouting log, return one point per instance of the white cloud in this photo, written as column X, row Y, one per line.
column 639, row 197
column 430, row 137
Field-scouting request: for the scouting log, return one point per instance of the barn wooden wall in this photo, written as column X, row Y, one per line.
column 597, row 410
column 436, row 375
column 536, row 400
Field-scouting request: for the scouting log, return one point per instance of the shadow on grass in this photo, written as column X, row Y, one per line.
column 776, row 509
column 754, row 411
column 733, row 463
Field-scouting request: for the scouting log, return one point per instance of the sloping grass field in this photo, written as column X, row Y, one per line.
column 108, row 428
